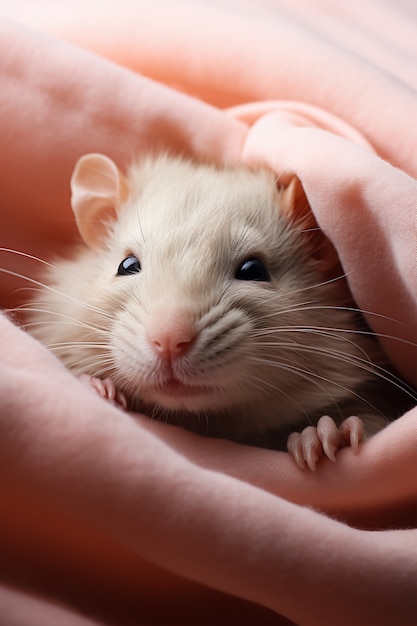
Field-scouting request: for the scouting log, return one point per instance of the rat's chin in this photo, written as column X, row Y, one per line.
column 176, row 395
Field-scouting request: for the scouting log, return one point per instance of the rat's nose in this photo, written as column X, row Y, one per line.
column 169, row 345
column 171, row 335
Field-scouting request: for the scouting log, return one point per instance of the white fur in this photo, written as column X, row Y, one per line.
column 258, row 354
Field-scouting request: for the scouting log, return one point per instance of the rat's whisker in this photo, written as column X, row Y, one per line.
column 62, row 318
column 61, row 294
column 314, row 377
column 271, row 390
column 28, row 256
column 364, row 364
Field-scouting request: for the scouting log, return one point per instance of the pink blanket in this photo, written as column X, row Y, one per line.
column 106, row 517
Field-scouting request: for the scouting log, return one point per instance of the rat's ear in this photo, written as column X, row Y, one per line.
column 98, row 190
column 295, row 205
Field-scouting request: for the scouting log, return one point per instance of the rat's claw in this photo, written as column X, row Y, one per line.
column 105, row 389
column 305, row 448
column 295, row 449
column 312, row 443
column 351, row 430
column 312, row 448
column 329, row 435
column 113, row 395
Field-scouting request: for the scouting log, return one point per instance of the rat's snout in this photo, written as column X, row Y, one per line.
column 171, row 334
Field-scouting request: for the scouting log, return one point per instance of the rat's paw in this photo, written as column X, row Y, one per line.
column 326, row 438
column 105, row 389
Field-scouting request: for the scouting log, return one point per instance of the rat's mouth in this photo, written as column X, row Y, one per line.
column 175, row 388
column 175, row 395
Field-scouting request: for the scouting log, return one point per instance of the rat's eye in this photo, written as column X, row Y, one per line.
column 129, row 265
column 253, row 269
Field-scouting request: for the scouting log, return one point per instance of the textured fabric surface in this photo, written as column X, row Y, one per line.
column 107, row 517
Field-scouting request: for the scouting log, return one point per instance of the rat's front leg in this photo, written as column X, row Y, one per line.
column 105, row 389
column 326, row 438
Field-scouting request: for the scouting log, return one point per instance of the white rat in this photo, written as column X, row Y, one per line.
column 201, row 297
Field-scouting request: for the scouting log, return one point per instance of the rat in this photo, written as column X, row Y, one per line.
column 207, row 297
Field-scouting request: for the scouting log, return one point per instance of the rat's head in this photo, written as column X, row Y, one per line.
column 200, row 274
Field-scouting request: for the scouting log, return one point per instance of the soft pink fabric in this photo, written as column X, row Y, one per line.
column 107, row 516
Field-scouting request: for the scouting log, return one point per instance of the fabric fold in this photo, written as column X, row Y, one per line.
column 108, row 517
